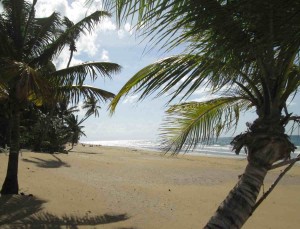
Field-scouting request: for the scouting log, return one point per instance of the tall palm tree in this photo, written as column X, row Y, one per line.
column 28, row 46
column 246, row 52
column 72, row 39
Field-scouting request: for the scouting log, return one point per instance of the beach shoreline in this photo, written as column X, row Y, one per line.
column 120, row 187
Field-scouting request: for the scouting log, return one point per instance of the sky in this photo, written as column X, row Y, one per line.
column 132, row 120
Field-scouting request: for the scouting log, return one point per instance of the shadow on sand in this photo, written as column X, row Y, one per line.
column 25, row 212
column 55, row 163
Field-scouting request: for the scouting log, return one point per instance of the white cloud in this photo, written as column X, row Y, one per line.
column 46, row 8
column 88, row 44
column 127, row 31
column 107, row 25
column 75, row 10
column 62, row 60
column 127, row 27
column 204, row 98
column 104, row 55
column 121, row 34
column 130, row 99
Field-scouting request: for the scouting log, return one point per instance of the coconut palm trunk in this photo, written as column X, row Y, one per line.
column 264, row 148
column 237, row 207
column 10, row 185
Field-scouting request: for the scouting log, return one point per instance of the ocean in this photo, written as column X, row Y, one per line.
column 220, row 148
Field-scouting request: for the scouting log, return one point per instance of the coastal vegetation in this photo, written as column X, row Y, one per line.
column 246, row 54
column 37, row 100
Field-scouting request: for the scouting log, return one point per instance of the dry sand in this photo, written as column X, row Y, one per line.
column 120, row 188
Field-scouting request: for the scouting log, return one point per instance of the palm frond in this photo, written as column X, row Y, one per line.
column 77, row 74
column 170, row 23
column 6, row 49
column 85, row 25
column 45, row 30
column 17, row 13
column 73, row 93
column 191, row 123
column 3, row 92
column 235, row 32
column 181, row 75
column 292, row 83
column 90, row 104
column 26, row 79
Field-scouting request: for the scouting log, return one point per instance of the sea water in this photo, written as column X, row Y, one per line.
column 220, row 147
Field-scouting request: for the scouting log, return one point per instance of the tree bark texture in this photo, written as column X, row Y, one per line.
column 10, row 185
column 237, row 207
column 265, row 144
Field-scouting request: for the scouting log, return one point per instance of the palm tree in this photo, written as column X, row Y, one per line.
column 63, row 109
column 74, row 128
column 28, row 46
column 72, row 39
column 246, row 52
column 92, row 108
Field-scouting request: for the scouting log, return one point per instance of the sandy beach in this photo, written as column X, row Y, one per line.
column 118, row 188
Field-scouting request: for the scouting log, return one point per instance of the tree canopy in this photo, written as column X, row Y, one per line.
column 246, row 52
column 29, row 81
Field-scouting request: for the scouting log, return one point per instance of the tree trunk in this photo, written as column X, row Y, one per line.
column 70, row 58
column 237, row 207
column 266, row 144
column 10, row 185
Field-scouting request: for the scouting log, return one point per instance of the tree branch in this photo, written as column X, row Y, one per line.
column 294, row 118
column 285, row 162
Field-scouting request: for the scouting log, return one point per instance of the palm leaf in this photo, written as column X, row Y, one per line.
column 45, row 30
column 191, row 123
column 181, row 75
column 5, row 48
column 16, row 12
column 73, row 93
column 292, row 82
column 91, row 105
column 26, row 79
column 85, row 25
column 77, row 74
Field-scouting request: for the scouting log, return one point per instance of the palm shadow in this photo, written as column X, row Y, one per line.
column 16, row 207
column 55, row 163
column 25, row 212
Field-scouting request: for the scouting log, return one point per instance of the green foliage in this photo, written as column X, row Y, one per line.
column 235, row 49
column 41, row 131
column 189, row 123
column 74, row 128
column 29, row 79
column 91, row 105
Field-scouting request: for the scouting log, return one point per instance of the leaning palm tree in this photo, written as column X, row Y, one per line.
column 247, row 54
column 28, row 47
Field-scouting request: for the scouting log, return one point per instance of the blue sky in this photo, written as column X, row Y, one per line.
column 131, row 120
